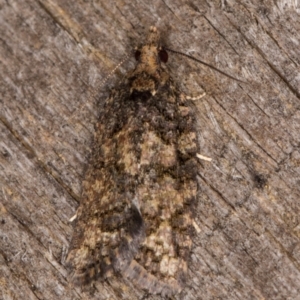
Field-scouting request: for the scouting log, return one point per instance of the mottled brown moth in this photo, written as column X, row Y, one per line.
column 135, row 218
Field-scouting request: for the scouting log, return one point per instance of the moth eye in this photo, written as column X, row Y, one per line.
column 137, row 54
column 163, row 55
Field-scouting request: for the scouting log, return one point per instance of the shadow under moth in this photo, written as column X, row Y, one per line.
column 136, row 214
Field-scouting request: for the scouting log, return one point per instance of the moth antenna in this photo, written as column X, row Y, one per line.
column 105, row 80
column 203, row 63
column 115, row 68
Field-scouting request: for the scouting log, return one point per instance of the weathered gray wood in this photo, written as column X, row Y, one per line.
column 53, row 57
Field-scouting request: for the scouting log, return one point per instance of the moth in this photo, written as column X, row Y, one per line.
column 135, row 219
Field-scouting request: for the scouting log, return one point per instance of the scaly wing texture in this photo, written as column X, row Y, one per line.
column 136, row 214
column 166, row 193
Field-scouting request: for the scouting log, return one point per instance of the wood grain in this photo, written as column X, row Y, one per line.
column 54, row 56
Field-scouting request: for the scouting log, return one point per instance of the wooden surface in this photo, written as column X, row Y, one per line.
column 53, row 57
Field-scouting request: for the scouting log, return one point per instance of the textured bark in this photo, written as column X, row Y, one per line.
column 54, row 56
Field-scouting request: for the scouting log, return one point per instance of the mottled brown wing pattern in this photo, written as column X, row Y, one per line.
column 135, row 218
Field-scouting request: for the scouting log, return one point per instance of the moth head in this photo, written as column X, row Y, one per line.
column 151, row 48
